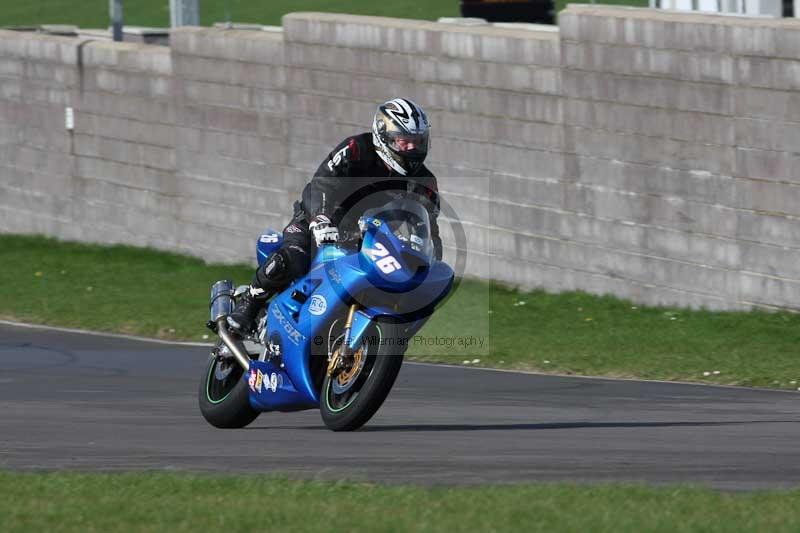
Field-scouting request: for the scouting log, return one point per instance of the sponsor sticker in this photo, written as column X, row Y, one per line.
column 259, row 381
column 318, row 305
column 294, row 335
column 251, row 381
column 334, row 275
column 260, row 377
column 269, row 238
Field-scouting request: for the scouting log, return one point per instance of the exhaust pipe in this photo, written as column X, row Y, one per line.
column 235, row 346
column 221, row 306
column 221, row 303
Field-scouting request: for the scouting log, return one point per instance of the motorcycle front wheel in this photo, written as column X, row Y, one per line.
column 353, row 395
column 224, row 396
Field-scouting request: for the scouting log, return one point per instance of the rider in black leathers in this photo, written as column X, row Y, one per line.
column 362, row 172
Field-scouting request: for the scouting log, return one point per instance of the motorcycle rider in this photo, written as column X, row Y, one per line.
column 361, row 172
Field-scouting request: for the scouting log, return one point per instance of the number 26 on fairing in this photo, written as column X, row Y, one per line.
column 385, row 262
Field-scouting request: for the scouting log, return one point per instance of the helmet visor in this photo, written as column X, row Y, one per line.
column 411, row 146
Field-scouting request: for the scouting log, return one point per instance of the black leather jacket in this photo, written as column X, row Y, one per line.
column 353, row 179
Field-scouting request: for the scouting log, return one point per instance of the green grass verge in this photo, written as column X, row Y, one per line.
column 175, row 502
column 164, row 295
column 94, row 13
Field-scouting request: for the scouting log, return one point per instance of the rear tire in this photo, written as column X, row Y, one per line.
column 383, row 361
column 224, row 397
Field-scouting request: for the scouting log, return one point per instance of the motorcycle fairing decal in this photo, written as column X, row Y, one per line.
column 272, row 389
column 292, row 333
column 259, row 381
column 317, row 305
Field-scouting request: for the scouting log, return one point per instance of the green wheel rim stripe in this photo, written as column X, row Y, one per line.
column 327, row 396
column 208, row 384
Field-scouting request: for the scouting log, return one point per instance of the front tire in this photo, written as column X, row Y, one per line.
column 351, row 409
column 224, row 397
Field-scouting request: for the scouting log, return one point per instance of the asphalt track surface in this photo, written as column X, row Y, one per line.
column 72, row 401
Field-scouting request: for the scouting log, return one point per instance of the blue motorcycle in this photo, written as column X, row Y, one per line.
column 335, row 338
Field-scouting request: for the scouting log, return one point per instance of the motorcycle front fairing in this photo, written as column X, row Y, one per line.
column 399, row 277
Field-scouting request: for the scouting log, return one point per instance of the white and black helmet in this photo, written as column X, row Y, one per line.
column 401, row 134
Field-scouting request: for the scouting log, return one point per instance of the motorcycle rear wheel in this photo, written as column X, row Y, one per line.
column 351, row 409
column 224, row 397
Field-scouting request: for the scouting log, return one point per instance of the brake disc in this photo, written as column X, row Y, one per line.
column 345, row 378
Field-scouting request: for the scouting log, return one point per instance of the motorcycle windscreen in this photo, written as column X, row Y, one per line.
column 410, row 222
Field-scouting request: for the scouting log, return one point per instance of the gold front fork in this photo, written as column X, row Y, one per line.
column 342, row 351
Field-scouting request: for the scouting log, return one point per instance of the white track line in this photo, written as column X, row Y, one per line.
column 104, row 334
column 439, row 365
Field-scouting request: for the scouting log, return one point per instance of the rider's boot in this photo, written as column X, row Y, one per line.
column 242, row 318
column 270, row 278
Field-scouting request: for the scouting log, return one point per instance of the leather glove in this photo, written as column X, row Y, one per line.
column 323, row 229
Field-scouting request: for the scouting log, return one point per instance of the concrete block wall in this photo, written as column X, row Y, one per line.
column 638, row 153
column 231, row 139
column 680, row 138
column 37, row 78
column 123, row 172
